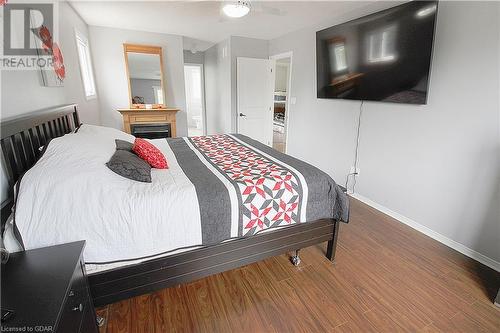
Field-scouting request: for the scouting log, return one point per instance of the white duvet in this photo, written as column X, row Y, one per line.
column 71, row 195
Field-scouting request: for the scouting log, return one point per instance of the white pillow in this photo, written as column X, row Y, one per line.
column 89, row 142
column 105, row 132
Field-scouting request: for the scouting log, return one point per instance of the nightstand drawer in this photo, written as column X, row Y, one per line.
column 72, row 316
column 88, row 324
column 76, row 301
column 78, row 281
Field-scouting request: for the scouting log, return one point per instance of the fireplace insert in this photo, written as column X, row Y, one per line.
column 151, row 131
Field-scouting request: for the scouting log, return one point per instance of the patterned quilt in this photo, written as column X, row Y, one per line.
column 244, row 187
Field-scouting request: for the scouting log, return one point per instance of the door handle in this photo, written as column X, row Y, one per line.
column 242, row 115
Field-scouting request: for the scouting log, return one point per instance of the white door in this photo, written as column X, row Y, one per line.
column 255, row 84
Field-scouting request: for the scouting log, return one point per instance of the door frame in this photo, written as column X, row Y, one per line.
column 203, row 106
column 273, row 72
column 276, row 57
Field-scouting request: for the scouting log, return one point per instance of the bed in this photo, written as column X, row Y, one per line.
column 224, row 202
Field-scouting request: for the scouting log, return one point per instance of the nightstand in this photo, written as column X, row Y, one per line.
column 47, row 290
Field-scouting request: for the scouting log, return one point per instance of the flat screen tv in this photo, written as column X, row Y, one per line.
column 384, row 56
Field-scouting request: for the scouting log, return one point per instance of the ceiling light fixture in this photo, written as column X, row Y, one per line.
column 236, row 9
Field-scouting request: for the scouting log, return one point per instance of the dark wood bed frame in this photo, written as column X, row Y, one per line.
column 21, row 139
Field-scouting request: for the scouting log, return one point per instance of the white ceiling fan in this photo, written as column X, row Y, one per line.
column 240, row 8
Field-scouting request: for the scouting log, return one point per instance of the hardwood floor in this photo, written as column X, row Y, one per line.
column 387, row 277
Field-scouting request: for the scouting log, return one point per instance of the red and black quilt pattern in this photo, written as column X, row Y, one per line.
column 270, row 193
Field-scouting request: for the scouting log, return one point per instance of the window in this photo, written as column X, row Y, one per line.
column 381, row 45
column 82, row 45
column 337, row 54
column 340, row 57
column 158, row 95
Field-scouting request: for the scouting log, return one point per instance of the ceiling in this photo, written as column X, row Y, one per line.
column 202, row 20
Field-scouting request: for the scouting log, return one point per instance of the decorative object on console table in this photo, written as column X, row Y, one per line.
column 159, row 118
column 47, row 290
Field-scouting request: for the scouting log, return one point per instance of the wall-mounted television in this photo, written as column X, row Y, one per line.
column 385, row 56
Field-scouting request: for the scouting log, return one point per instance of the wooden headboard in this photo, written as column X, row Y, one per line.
column 21, row 138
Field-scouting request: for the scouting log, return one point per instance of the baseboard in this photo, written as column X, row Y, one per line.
column 431, row 233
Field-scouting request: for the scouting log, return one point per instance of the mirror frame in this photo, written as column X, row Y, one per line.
column 136, row 48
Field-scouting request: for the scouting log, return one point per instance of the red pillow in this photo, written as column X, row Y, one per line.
column 150, row 154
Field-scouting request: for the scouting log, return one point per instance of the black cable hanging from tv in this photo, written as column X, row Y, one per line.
column 356, row 151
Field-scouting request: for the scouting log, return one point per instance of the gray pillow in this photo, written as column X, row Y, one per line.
column 123, row 145
column 130, row 166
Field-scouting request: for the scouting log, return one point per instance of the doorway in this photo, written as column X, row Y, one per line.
column 281, row 100
column 195, row 99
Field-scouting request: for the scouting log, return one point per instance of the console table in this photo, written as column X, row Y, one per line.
column 149, row 116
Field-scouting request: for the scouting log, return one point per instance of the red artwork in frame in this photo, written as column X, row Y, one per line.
column 58, row 62
column 46, row 38
column 52, row 49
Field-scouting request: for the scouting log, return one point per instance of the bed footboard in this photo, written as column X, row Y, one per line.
column 125, row 282
column 332, row 243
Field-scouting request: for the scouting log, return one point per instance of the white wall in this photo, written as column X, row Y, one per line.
column 109, row 64
column 17, row 85
column 218, row 88
column 437, row 165
column 220, row 80
column 196, row 58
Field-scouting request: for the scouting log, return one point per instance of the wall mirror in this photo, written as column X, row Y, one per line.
column 144, row 66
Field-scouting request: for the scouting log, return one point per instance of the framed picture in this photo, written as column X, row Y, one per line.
column 50, row 59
